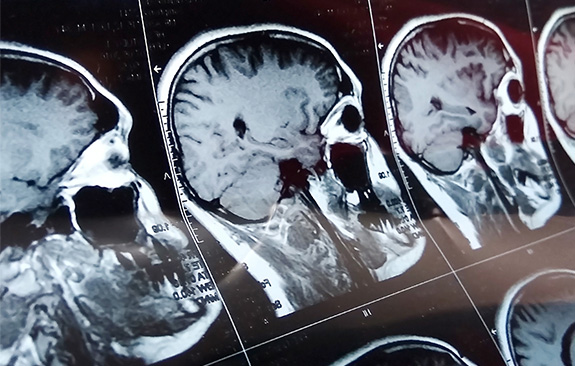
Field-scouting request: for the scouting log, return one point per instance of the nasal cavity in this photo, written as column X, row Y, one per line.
column 515, row 128
column 351, row 118
column 349, row 165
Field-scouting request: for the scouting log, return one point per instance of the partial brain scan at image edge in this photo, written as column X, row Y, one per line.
column 483, row 158
column 113, row 301
column 556, row 69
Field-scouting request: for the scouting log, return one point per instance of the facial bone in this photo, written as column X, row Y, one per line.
column 557, row 75
column 257, row 115
column 468, row 135
column 67, row 134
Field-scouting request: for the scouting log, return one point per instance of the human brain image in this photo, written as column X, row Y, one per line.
column 560, row 73
column 265, row 129
column 443, row 88
column 86, row 277
column 242, row 110
column 454, row 86
column 48, row 119
column 537, row 320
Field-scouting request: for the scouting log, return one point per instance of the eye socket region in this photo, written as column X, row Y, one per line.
column 351, row 118
column 515, row 91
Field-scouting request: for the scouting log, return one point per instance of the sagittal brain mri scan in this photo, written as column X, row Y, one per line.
column 405, row 351
column 454, row 88
column 93, row 289
column 536, row 321
column 275, row 161
column 556, row 52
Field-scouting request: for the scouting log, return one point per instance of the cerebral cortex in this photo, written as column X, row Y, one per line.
column 46, row 122
column 242, row 109
column 560, row 69
column 443, row 81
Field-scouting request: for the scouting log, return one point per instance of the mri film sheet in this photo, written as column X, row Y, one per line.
column 471, row 140
column 278, row 144
column 286, row 182
column 93, row 246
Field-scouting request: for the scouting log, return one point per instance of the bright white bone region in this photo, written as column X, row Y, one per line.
column 241, row 109
column 560, row 70
column 44, row 127
column 443, row 83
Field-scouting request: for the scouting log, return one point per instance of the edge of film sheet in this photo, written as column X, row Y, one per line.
column 280, row 182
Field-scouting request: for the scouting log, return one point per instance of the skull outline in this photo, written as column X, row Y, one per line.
column 393, row 344
column 235, row 238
